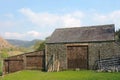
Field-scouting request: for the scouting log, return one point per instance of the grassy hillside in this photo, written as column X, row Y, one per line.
column 64, row 75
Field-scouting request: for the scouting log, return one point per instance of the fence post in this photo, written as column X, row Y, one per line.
column 24, row 61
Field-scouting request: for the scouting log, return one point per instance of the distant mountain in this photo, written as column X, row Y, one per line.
column 4, row 44
column 22, row 43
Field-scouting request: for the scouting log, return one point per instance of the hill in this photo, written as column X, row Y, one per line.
column 22, row 43
column 4, row 44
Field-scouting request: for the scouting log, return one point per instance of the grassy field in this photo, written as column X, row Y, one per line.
column 64, row 75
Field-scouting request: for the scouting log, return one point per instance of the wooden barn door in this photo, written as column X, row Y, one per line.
column 35, row 62
column 77, row 57
column 13, row 65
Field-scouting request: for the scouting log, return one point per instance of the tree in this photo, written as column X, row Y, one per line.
column 117, row 35
column 39, row 45
column 42, row 46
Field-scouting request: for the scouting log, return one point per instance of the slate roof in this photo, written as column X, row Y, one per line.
column 83, row 34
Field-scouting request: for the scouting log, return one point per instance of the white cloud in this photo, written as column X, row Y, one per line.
column 47, row 22
column 70, row 21
column 33, row 33
column 78, row 14
column 113, row 18
column 44, row 35
column 6, row 21
column 57, row 20
column 7, row 24
column 14, row 35
column 29, row 34
column 100, row 18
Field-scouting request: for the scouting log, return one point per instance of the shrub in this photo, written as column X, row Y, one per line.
column 0, row 68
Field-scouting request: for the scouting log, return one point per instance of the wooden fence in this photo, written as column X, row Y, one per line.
column 109, row 64
column 33, row 60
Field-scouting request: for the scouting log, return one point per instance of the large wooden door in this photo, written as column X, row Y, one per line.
column 77, row 57
column 35, row 62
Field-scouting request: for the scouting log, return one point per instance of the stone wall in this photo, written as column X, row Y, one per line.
column 59, row 53
column 99, row 51
column 96, row 51
column 117, row 49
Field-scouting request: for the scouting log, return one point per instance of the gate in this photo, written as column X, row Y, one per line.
column 13, row 65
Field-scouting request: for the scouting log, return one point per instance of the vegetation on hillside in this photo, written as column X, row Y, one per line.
column 12, row 51
column 22, row 43
column 4, row 53
column 27, row 46
column 39, row 45
column 0, row 68
column 117, row 35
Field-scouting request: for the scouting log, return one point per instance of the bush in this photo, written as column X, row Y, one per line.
column 117, row 34
column 4, row 53
column 40, row 45
column 0, row 68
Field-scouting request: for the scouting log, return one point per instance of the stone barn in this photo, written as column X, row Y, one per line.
column 80, row 47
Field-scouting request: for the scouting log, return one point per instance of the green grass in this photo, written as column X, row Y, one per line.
column 64, row 75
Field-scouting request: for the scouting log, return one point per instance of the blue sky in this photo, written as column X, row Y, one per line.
column 37, row 19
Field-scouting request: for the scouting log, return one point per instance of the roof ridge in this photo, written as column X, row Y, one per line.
column 86, row 26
